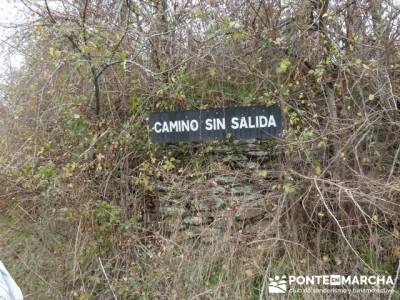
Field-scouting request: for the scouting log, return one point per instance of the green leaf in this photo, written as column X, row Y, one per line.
column 288, row 188
column 47, row 171
column 123, row 55
column 283, row 66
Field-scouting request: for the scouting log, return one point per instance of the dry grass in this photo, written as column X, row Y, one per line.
column 80, row 212
column 75, row 254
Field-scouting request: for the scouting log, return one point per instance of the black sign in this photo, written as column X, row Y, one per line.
column 258, row 122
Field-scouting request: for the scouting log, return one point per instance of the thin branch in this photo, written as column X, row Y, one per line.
column 339, row 226
column 106, row 276
column 396, row 279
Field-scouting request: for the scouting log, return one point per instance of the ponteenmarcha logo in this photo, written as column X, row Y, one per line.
column 283, row 284
column 277, row 285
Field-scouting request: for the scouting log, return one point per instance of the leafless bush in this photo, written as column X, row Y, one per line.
column 77, row 145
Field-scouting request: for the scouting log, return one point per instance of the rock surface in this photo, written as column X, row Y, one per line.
column 232, row 201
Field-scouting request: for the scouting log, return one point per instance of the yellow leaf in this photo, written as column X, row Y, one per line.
column 181, row 96
column 371, row 97
column 263, row 173
column 213, row 72
column 396, row 252
column 338, row 261
column 100, row 157
column 41, row 150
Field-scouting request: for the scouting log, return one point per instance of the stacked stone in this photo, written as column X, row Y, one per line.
column 238, row 200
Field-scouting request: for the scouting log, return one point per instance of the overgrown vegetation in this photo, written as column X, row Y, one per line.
column 79, row 173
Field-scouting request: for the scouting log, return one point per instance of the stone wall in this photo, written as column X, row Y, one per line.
column 236, row 198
